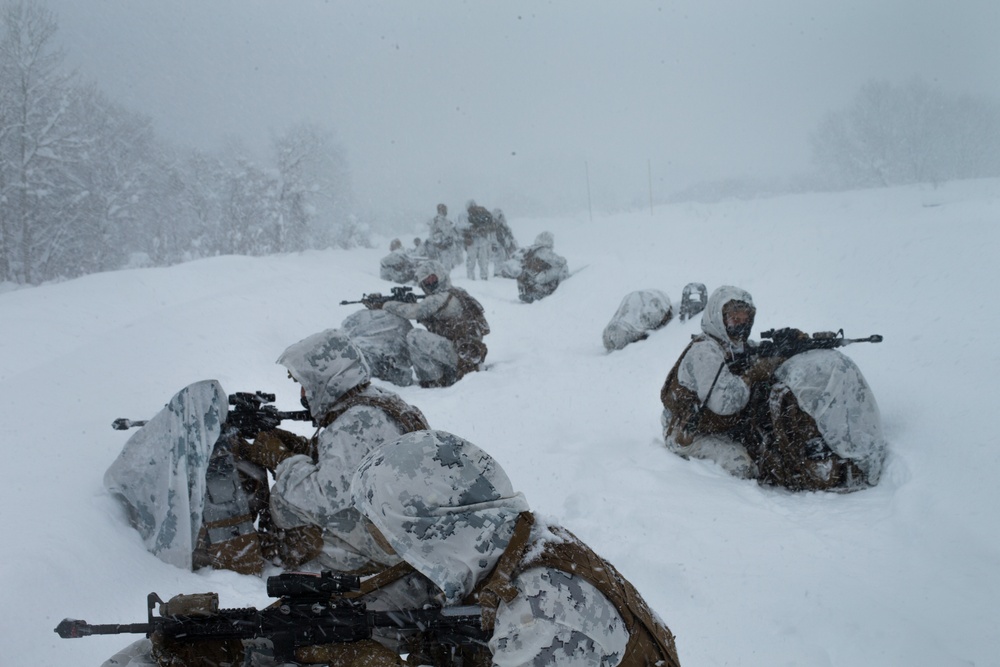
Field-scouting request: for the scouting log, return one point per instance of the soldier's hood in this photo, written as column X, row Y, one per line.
column 711, row 318
column 446, row 507
column 433, row 266
column 327, row 365
column 546, row 240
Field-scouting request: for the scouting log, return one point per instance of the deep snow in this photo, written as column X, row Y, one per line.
column 907, row 573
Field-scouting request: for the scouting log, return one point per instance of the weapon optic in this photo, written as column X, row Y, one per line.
column 251, row 413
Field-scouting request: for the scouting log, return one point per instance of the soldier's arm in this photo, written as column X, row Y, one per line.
column 425, row 308
column 698, row 371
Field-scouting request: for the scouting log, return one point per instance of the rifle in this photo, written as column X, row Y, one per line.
column 310, row 611
column 251, row 414
column 398, row 293
column 787, row 342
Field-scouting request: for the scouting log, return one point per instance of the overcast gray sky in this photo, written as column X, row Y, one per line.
column 514, row 103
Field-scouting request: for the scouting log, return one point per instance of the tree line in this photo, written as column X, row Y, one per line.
column 86, row 185
column 909, row 133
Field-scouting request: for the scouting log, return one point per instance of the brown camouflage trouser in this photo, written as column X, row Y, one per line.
column 795, row 456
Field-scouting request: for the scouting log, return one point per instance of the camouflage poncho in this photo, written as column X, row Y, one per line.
column 329, row 365
column 448, row 509
column 160, row 474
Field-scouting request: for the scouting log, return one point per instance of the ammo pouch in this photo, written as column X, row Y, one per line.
column 227, row 539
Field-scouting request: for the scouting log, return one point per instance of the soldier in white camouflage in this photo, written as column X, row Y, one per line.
column 444, row 243
column 449, row 511
column 310, row 501
column 542, row 269
column 639, row 313
column 806, row 422
column 452, row 343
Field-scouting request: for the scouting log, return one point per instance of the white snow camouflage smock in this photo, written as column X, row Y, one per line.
column 830, row 388
column 448, row 509
column 703, row 369
column 437, row 358
column 160, row 474
column 640, row 312
column 542, row 269
column 328, row 365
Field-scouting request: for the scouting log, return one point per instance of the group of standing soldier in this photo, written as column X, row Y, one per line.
column 488, row 245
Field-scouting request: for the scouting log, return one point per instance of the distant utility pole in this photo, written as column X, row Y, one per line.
column 590, row 208
column 649, row 170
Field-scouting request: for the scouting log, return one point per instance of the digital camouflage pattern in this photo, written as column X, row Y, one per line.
column 448, row 509
column 310, row 491
column 453, row 343
column 639, row 313
column 327, row 364
column 160, row 474
column 381, row 336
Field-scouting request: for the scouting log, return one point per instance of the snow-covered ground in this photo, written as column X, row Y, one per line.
column 907, row 573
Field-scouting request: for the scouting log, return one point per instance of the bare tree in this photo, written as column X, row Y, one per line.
column 313, row 189
column 893, row 135
column 34, row 134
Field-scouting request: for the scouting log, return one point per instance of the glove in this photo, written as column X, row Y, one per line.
column 267, row 450
column 363, row 653
column 372, row 301
column 762, row 369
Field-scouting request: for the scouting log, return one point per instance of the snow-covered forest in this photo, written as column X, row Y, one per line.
column 88, row 183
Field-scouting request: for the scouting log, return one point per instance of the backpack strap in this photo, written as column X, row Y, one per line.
column 497, row 586
column 408, row 417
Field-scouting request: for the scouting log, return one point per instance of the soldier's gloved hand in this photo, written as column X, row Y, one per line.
column 372, row 301
column 363, row 653
column 762, row 369
column 296, row 443
column 267, row 450
column 741, row 364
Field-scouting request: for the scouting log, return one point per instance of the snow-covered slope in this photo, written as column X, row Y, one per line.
column 907, row 573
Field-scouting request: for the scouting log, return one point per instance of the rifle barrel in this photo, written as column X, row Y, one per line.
column 71, row 628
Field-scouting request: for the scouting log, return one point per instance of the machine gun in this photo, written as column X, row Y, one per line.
column 397, row 293
column 251, row 413
column 311, row 610
column 787, row 342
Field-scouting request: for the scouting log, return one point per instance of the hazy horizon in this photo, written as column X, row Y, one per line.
column 521, row 104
